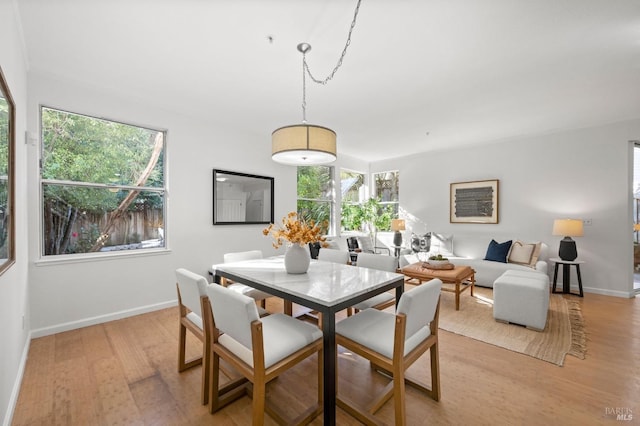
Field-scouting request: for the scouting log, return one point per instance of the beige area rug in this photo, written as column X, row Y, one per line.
column 564, row 333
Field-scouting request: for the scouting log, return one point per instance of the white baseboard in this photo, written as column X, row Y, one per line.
column 59, row 328
column 575, row 289
column 46, row 331
column 606, row 292
column 13, row 400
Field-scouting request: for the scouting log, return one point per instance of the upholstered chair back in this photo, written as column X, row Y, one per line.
column 377, row 261
column 419, row 305
column 233, row 313
column 335, row 256
column 191, row 286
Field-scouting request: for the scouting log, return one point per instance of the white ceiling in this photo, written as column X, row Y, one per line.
column 465, row 72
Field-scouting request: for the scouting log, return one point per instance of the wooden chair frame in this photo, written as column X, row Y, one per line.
column 395, row 367
column 183, row 364
column 253, row 380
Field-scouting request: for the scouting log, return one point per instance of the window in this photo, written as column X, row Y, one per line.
column 316, row 194
column 103, row 185
column 386, row 187
column 352, row 189
column 7, row 173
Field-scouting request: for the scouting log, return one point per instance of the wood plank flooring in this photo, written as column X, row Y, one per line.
column 125, row 373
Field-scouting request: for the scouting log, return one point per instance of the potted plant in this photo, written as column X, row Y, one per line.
column 370, row 217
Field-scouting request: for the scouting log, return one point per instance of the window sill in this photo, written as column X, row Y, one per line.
column 97, row 257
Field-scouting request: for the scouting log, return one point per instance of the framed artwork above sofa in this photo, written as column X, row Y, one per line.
column 474, row 202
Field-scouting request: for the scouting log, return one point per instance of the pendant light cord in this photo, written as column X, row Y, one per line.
column 306, row 70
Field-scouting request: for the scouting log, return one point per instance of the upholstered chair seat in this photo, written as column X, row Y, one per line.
column 392, row 343
column 259, row 348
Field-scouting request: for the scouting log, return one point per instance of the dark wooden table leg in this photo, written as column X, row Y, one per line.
column 555, row 278
column 566, row 278
column 330, row 354
column 399, row 291
column 579, row 280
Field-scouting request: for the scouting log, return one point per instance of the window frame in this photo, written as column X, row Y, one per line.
column 161, row 190
column 362, row 195
column 331, row 200
column 374, row 191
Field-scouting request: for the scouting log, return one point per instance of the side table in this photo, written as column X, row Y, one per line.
column 397, row 250
column 566, row 275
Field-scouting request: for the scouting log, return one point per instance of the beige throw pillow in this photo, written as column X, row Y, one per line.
column 524, row 253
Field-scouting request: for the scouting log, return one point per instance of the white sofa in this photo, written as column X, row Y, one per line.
column 471, row 250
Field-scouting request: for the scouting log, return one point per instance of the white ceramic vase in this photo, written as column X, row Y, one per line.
column 297, row 259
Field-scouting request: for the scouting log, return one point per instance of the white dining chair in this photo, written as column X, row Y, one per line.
column 329, row 255
column 392, row 343
column 260, row 349
column 332, row 255
column 382, row 263
column 192, row 296
column 258, row 295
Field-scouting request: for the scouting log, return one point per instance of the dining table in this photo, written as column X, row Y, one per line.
column 327, row 288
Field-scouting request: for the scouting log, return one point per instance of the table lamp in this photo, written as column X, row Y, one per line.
column 397, row 225
column 568, row 228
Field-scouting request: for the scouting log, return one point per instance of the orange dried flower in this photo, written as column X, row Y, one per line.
column 295, row 231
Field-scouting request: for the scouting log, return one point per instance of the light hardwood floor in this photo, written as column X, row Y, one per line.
column 124, row 372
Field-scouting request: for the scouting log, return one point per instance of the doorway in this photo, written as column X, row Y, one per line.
column 636, row 217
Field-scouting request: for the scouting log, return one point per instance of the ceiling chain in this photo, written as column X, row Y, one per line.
column 344, row 52
column 305, row 67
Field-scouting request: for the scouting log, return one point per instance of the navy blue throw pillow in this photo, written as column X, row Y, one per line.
column 498, row 252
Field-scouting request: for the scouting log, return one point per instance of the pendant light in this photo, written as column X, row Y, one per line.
column 308, row 144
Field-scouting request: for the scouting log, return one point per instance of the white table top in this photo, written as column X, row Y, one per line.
column 326, row 283
column 326, row 287
column 566, row 262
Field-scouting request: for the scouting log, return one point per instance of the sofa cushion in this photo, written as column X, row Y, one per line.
column 364, row 242
column 524, row 253
column 488, row 271
column 498, row 252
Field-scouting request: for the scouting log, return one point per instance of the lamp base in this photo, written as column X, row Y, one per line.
column 397, row 239
column 568, row 250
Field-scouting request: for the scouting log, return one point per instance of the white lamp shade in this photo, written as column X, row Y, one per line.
column 303, row 144
column 568, row 227
column 397, row 225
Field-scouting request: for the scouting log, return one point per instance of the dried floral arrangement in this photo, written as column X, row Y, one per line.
column 296, row 231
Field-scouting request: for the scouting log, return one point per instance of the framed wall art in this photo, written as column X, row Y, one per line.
column 474, row 202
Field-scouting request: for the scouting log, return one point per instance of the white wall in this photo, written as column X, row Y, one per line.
column 581, row 173
column 68, row 295
column 13, row 283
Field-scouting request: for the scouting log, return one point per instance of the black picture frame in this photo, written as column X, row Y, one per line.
column 242, row 198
